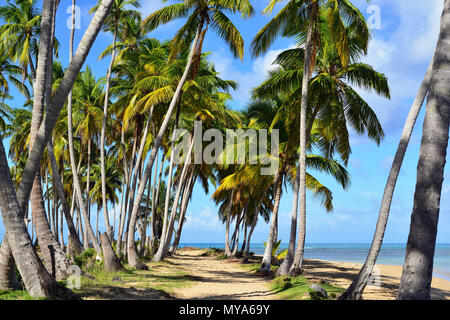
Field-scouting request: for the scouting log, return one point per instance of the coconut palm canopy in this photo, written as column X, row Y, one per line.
column 111, row 150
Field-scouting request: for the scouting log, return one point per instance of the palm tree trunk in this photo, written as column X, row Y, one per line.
column 417, row 272
column 8, row 276
column 238, row 227
column 57, row 102
column 37, row 280
column 127, row 172
column 139, row 161
column 356, row 289
column 297, row 266
column 54, row 258
column 186, row 197
column 166, row 239
column 227, row 228
column 155, row 204
column 169, row 180
column 76, row 182
column 289, row 259
column 132, row 254
column 103, row 134
column 267, row 259
column 255, row 221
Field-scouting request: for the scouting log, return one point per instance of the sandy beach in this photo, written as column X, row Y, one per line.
column 342, row 273
column 227, row 279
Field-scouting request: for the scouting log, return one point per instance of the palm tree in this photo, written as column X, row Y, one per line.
column 356, row 289
column 417, row 272
column 37, row 281
column 20, row 33
column 118, row 13
column 200, row 14
column 9, row 73
column 291, row 21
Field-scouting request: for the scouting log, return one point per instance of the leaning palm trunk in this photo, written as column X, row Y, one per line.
column 139, row 161
column 132, row 253
column 75, row 246
column 166, row 239
column 255, row 221
column 76, row 181
column 418, row 266
column 356, row 289
column 267, row 259
column 236, row 242
column 8, row 276
column 155, row 204
column 34, row 160
column 54, row 258
column 102, row 138
column 57, row 101
column 123, row 208
column 184, row 204
column 227, row 229
column 297, row 265
column 38, row 282
column 289, row 259
column 169, row 180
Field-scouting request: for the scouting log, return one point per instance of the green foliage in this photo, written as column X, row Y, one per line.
column 87, row 259
column 297, row 288
column 315, row 295
column 282, row 282
column 15, row 295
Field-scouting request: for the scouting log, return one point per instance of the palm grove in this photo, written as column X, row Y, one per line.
column 81, row 145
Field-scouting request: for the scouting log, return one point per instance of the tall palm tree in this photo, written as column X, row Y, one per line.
column 417, row 272
column 302, row 18
column 200, row 15
column 118, row 13
column 38, row 282
column 20, row 33
column 356, row 288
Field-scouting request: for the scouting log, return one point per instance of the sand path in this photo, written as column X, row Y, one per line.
column 219, row 279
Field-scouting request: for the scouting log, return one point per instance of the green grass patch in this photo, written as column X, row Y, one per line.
column 15, row 295
column 297, row 288
column 161, row 277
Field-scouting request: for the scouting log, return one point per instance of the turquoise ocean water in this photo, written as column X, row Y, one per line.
column 390, row 254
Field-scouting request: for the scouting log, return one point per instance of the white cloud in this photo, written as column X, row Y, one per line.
column 205, row 220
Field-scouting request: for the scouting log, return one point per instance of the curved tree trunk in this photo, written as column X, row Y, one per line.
column 255, row 221
column 75, row 246
column 267, row 259
column 102, row 137
column 112, row 264
column 356, row 289
column 289, row 259
column 37, row 280
column 155, row 204
column 54, row 258
column 297, row 265
column 184, row 205
column 418, row 266
column 76, row 181
column 227, row 228
column 57, row 101
column 238, row 227
column 132, row 253
column 8, row 276
column 166, row 239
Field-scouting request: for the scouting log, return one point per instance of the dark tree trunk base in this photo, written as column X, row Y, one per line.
column 111, row 261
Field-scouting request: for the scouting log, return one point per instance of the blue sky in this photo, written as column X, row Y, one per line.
column 402, row 49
